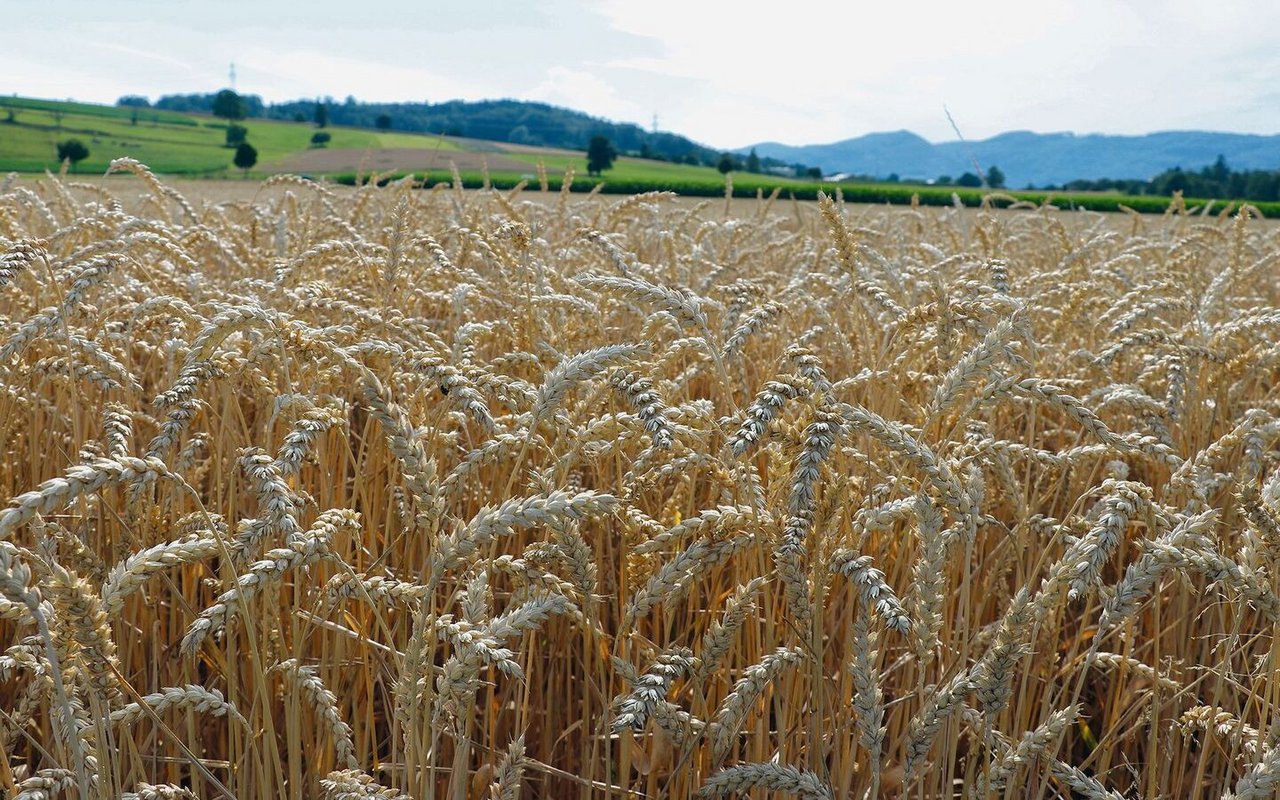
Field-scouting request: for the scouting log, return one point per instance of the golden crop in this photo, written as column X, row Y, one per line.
column 405, row 493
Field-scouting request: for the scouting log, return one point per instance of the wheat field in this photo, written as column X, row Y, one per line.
column 394, row 492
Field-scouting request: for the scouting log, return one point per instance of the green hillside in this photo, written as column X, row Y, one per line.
column 168, row 142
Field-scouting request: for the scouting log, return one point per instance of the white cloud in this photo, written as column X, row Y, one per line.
column 137, row 54
column 281, row 74
column 579, row 89
column 40, row 78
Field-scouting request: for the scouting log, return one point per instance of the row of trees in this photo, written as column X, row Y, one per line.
column 601, row 154
column 753, row 163
column 234, row 107
column 1216, row 180
column 994, row 175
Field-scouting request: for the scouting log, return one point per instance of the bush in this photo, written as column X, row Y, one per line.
column 246, row 156
column 229, row 105
column 236, row 135
column 320, row 138
column 72, row 150
column 600, row 155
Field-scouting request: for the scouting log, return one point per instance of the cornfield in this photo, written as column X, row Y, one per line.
column 399, row 492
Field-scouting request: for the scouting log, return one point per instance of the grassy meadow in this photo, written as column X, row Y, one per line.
column 177, row 144
column 382, row 492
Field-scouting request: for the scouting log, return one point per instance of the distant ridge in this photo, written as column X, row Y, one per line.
column 1028, row 158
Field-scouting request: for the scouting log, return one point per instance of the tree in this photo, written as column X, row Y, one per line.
column 134, row 101
column 1169, row 181
column 969, row 180
column 320, row 138
column 753, row 161
column 814, row 172
column 236, row 134
column 229, row 105
column 725, row 164
column 246, row 157
column 1262, row 185
column 72, row 150
column 322, row 115
column 600, row 154
column 995, row 177
column 1219, row 172
column 383, row 122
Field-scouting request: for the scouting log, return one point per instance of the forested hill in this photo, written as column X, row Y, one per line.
column 513, row 121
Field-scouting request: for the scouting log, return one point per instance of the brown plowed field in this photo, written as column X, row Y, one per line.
column 400, row 158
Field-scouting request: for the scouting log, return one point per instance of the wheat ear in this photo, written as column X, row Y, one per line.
column 742, row 778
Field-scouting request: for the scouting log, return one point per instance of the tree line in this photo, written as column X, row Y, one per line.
column 1215, row 180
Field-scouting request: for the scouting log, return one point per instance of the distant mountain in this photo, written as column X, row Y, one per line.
column 1038, row 159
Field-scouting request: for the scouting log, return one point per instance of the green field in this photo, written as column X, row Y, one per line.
column 637, row 175
column 707, row 182
column 93, row 110
column 630, row 170
column 167, row 142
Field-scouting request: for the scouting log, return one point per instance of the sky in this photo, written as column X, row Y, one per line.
column 726, row 74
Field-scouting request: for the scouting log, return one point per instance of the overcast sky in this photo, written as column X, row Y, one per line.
column 724, row 73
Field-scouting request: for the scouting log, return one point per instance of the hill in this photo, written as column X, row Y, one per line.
column 170, row 142
column 1034, row 159
column 177, row 140
column 513, row 121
